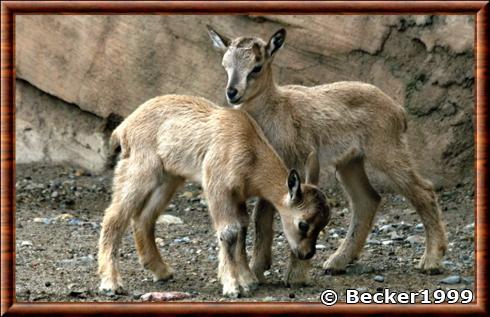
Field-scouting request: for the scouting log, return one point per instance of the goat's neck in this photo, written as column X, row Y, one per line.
column 270, row 179
column 267, row 98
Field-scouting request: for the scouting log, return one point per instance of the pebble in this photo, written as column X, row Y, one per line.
column 159, row 241
column 320, row 247
column 379, row 278
column 267, row 273
column 454, row 279
column 169, row 220
column 386, row 228
column 387, row 242
column 362, row 289
column 292, row 295
column 46, row 221
column 395, row 236
column 187, row 195
column 419, row 227
column 415, row 239
column 75, row 222
column 373, row 242
column 26, row 243
column 182, row 240
column 55, row 194
column 64, row 217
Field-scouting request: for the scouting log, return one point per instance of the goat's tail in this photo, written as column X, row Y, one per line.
column 117, row 147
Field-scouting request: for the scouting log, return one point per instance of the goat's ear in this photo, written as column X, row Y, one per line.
column 276, row 42
column 220, row 42
column 294, row 186
column 312, row 168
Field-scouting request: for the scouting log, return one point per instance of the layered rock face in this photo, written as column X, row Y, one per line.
column 75, row 74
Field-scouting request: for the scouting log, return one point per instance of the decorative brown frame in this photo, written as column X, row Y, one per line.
column 10, row 8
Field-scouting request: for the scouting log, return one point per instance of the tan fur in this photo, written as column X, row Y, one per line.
column 347, row 123
column 173, row 138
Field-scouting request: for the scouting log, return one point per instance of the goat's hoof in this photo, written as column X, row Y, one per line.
column 336, row 264
column 112, row 292
column 430, row 265
column 297, row 280
column 249, row 288
column 231, row 293
column 110, row 287
column 164, row 274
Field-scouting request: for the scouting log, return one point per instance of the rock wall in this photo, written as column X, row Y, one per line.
column 93, row 68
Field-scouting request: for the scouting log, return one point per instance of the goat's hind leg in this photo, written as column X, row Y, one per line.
column 143, row 226
column 421, row 195
column 364, row 202
column 131, row 187
column 263, row 217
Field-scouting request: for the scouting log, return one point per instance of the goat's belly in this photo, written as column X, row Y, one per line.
column 332, row 155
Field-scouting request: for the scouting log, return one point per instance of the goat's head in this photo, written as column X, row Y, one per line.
column 308, row 211
column 247, row 61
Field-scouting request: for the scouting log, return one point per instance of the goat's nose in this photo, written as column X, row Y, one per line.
column 231, row 92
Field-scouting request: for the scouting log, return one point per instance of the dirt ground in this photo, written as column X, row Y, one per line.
column 59, row 210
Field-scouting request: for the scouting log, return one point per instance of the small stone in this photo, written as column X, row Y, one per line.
column 373, row 242
column 47, row 284
column 267, row 273
column 395, row 236
column 471, row 226
column 169, row 220
column 386, row 228
column 415, row 240
column 64, row 217
column 419, row 227
column 379, row 278
column 46, row 221
column 75, row 222
column 79, row 173
column 26, row 243
column 269, row 299
column 55, row 194
column 159, row 241
column 187, row 195
column 387, row 242
column 450, row 280
column 86, row 259
column 320, row 247
column 182, row 240
column 291, row 295
column 362, row 289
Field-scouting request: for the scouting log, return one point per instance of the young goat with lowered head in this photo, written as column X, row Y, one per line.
column 172, row 138
column 348, row 124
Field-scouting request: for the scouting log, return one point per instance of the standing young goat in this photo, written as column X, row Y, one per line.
column 172, row 138
column 348, row 123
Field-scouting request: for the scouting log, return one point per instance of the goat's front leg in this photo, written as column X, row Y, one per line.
column 228, row 270
column 298, row 271
column 263, row 217
column 246, row 278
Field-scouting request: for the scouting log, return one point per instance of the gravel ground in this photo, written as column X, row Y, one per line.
column 59, row 210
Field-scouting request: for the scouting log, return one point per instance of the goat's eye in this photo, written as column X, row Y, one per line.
column 256, row 69
column 303, row 226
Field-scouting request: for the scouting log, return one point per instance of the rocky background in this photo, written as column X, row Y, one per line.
column 78, row 75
